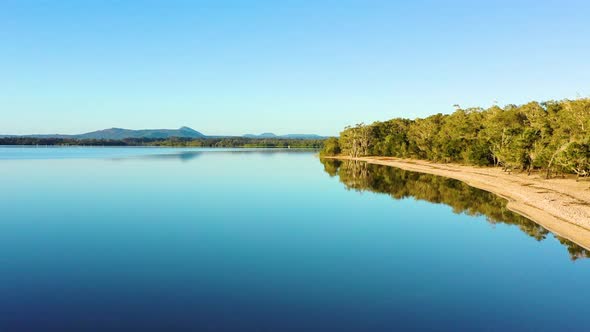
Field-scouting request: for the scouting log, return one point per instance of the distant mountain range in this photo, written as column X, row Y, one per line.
column 184, row 132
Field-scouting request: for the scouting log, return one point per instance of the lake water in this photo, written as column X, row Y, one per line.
column 156, row 239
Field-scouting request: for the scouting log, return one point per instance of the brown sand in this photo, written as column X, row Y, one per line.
column 560, row 205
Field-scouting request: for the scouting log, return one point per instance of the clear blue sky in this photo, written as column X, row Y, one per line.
column 235, row 67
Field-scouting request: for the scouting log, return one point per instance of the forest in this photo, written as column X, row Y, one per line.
column 214, row 142
column 552, row 136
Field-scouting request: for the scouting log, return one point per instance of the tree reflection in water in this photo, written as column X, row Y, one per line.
column 399, row 184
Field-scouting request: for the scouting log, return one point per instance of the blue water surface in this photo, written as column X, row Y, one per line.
column 158, row 239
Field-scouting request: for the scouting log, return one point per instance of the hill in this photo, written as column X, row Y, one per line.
column 183, row 132
column 119, row 133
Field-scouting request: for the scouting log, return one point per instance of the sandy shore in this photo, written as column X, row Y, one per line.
column 560, row 205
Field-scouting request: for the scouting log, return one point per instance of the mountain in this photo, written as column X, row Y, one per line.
column 290, row 136
column 119, row 133
column 184, row 132
column 263, row 135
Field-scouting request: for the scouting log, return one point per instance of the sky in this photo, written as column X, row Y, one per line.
column 237, row 67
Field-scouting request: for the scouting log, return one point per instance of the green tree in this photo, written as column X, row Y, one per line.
column 331, row 147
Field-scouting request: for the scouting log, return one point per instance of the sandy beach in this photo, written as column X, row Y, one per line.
column 560, row 205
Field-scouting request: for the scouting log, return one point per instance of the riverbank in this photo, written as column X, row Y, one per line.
column 560, row 205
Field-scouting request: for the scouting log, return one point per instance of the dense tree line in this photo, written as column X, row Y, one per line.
column 225, row 142
column 553, row 136
column 245, row 142
column 400, row 184
column 59, row 141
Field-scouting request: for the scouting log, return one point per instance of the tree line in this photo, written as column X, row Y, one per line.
column 552, row 136
column 220, row 142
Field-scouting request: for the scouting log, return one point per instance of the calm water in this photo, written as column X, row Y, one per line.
column 151, row 239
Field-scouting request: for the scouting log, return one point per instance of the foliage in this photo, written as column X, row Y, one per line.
column 331, row 147
column 553, row 136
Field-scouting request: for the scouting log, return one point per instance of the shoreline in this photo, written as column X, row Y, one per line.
column 562, row 206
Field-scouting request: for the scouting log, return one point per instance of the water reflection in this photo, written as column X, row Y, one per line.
column 399, row 184
column 188, row 155
column 181, row 156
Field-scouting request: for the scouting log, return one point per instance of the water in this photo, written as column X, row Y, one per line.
column 154, row 239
